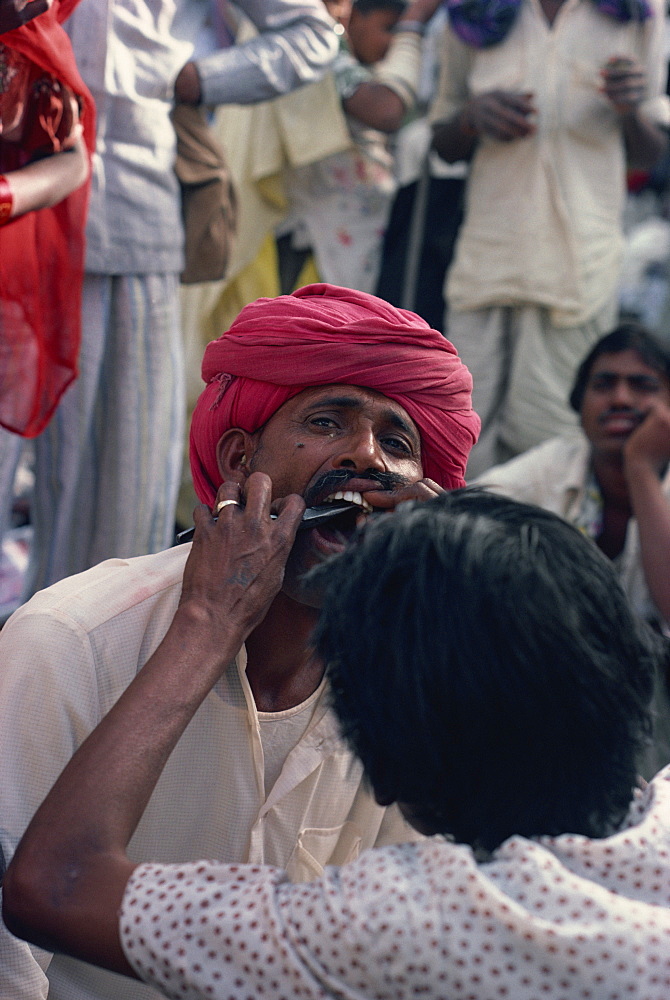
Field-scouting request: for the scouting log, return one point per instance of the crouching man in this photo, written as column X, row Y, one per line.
column 331, row 395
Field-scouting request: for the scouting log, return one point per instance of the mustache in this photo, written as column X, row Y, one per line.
column 623, row 411
column 337, row 479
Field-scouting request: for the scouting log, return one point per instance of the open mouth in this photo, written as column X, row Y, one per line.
column 332, row 535
column 621, row 423
column 356, row 499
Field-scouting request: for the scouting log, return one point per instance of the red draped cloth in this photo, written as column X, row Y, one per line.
column 42, row 260
column 322, row 335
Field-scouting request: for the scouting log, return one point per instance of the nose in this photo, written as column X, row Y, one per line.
column 622, row 395
column 360, row 451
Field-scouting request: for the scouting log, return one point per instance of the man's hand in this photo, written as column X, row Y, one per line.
column 624, row 83
column 649, row 444
column 646, row 454
column 187, row 87
column 236, row 566
column 424, row 489
column 15, row 13
column 501, row 114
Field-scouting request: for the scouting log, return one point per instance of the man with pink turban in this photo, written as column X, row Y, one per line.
column 327, row 396
column 324, row 335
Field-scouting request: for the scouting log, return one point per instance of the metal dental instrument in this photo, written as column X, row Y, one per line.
column 311, row 517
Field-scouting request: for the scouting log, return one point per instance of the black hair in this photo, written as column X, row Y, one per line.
column 486, row 668
column 629, row 336
column 367, row 6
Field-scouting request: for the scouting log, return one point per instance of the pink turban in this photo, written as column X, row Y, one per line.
column 322, row 335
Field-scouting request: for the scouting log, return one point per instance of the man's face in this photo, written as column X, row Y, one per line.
column 620, row 390
column 335, row 440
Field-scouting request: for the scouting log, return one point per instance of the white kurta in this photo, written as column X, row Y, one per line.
column 67, row 655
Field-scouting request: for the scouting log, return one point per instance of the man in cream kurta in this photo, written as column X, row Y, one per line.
column 260, row 774
column 534, row 280
column 211, row 800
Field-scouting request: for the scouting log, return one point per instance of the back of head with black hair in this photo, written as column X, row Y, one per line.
column 629, row 336
column 486, row 669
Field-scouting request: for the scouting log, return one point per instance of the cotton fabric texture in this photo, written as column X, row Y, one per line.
column 566, row 918
column 339, row 205
column 543, row 214
column 67, row 655
column 321, row 335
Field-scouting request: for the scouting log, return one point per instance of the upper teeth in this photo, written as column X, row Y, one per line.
column 352, row 496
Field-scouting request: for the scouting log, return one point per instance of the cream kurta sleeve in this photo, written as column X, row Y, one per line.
column 48, row 704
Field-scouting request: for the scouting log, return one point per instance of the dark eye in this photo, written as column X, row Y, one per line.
column 395, row 443
column 320, row 420
column 644, row 383
column 602, row 383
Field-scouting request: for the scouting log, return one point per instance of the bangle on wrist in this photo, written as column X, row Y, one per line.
column 6, row 200
column 418, row 27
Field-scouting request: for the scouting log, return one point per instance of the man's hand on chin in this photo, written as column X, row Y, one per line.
column 649, row 444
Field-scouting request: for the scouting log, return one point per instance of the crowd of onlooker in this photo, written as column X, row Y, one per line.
column 420, row 243
column 334, row 181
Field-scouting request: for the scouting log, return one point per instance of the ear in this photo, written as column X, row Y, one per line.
column 233, row 453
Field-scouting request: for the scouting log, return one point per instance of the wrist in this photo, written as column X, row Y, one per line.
column 211, row 638
column 6, row 200
column 188, row 86
column 640, row 470
column 417, row 27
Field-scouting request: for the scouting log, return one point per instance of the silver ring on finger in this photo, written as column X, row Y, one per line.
column 225, row 503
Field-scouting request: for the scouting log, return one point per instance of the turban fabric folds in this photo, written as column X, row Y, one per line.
column 322, row 335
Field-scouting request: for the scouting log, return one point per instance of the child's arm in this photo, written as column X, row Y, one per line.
column 384, row 102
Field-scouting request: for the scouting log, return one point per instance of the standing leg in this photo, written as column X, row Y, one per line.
column 484, row 340
column 542, row 371
column 107, row 467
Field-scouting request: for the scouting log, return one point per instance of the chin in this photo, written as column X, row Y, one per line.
column 297, row 585
column 307, row 596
